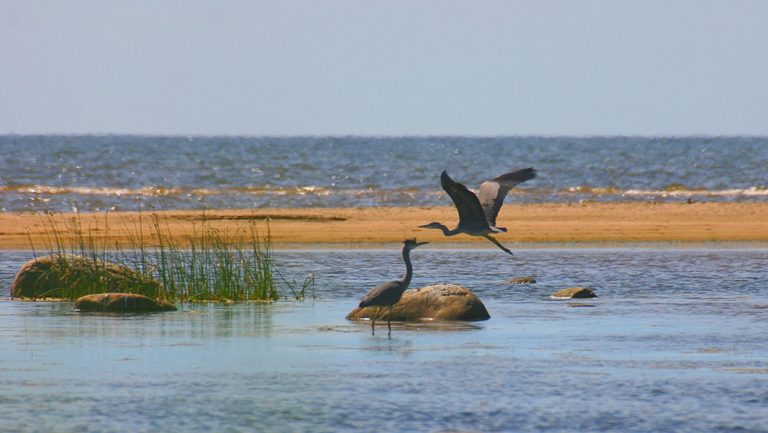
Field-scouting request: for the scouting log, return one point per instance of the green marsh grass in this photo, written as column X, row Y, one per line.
column 79, row 266
column 211, row 264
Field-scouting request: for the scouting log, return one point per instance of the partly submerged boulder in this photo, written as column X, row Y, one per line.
column 438, row 302
column 522, row 280
column 574, row 292
column 59, row 275
column 121, row 303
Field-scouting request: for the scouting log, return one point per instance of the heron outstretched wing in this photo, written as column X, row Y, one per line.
column 492, row 192
column 469, row 208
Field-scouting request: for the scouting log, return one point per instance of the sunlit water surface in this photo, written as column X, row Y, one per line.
column 677, row 341
column 100, row 172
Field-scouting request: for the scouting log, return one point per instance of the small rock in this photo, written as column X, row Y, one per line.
column 437, row 302
column 574, row 292
column 522, row 280
column 121, row 303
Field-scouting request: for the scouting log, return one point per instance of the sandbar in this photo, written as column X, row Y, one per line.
column 609, row 223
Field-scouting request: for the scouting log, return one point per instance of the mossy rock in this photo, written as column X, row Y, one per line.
column 70, row 276
column 437, row 302
column 574, row 292
column 121, row 303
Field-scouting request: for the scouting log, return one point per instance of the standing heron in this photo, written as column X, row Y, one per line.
column 477, row 213
column 388, row 294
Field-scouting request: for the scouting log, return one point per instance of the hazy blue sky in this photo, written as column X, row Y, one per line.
column 384, row 67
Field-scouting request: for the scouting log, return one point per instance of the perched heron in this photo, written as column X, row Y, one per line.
column 388, row 294
column 477, row 213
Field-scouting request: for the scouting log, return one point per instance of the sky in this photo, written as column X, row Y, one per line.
column 394, row 67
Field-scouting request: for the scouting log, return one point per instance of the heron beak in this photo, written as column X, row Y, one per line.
column 425, row 226
column 418, row 244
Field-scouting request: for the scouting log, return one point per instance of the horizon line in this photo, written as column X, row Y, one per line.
column 376, row 136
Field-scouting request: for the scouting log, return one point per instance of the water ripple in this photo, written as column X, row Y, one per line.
column 99, row 172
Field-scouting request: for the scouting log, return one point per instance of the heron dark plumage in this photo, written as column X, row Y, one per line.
column 478, row 212
column 388, row 294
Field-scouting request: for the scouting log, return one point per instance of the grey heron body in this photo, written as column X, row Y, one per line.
column 477, row 213
column 388, row 294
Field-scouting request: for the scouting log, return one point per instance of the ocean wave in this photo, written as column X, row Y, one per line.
column 158, row 191
column 87, row 190
column 674, row 190
column 735, row 192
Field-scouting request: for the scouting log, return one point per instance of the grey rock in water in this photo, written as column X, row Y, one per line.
column 522, row 280
column 50, row 276
column 437, row 302
column 574, row 292
column 121, row 303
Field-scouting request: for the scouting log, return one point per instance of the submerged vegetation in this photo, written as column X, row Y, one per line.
column 211, row 264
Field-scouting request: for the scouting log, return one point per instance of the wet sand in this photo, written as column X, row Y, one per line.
column 609, row 223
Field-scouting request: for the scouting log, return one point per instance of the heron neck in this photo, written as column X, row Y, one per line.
column 408, row 267
column 447, row 232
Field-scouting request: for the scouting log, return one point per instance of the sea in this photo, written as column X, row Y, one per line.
column 105, row 172
column 675, row 341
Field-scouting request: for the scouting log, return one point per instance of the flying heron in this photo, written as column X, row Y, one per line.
column 477, row 213
column 388, row 294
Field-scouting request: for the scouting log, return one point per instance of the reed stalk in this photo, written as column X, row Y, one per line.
column 210, row 265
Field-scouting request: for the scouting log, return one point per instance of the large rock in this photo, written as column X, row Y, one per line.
column 121, row 303
column 574, row 292
column 438, row 302
column 60, row 276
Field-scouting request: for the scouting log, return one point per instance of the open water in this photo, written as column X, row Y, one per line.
column 93, row 173
column 677, row 341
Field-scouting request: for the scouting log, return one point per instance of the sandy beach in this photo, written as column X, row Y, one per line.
column 361, row 227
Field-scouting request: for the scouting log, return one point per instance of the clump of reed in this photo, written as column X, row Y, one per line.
column 75, row 265
column 215, row 264
column 211, row 264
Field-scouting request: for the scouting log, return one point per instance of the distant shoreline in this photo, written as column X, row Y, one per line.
column 369, row 227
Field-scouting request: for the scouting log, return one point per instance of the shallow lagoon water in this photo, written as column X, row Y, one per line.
column 677, row 341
